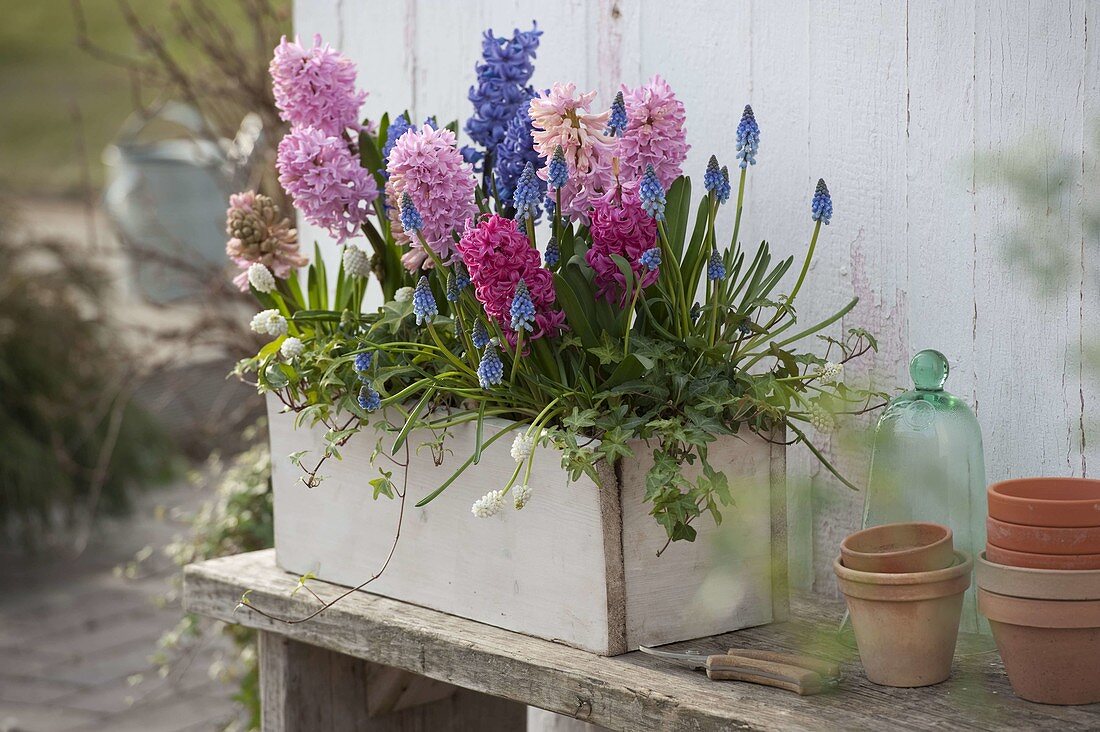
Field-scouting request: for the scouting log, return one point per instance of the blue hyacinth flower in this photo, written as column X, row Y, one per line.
column 748, row 138
column 651, row 258
column 552, row 255
column 424, row 305
column 479, row 335
column 523, row 309
column 652, row 194
column 363, row 361
column 616, row 123
column 557, row 172
column 723, row 191
column 528, row 194
column 821, row 208
column 410, row 217
column 369, row 399
column 716, row 268
column 490, row 371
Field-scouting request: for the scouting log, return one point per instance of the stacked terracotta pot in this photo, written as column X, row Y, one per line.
column 1039, row 586
column 904, row 585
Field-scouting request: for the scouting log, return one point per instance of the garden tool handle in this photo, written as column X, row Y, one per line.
column 767, row 673
column 827, row 669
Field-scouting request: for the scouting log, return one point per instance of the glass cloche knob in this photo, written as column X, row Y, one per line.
column 929, row 370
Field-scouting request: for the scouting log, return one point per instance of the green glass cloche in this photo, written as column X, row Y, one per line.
column 928, row 465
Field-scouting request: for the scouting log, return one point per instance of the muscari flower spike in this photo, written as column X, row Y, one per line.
column 527, row 195
column 723, row 191
column 410, row 217
column 712, row 178
column 822, row 206
column 479, row 335
column 363, row 361
column 462, row 275
column 552, row 255
column 557, row 172
column 523, row 310
column 748, row 138
column 652, row 194
column 716, row 268
column 369, row 399
column 490, row 371
column 616, row 123
column 424, row 306
column 651, row 258
column 452, row 288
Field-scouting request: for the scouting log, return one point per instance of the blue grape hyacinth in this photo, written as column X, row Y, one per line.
column 523, row 309
column 712, row 178
column 716, row 268
column 652, row 194
column 479, row 335
column 369, row 399
column 452, row 288
column 552, row 255
column 748, row 138
column 424, row 306
column 557, row 172
column 410, row 217
column 616, row 123
column 363, row 361
column 651, row 258
column 502, row 84
column 723, row 191
column 528, row 194
column 490, row 371
column 822, row 206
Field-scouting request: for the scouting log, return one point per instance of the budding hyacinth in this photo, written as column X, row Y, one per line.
column 369, row 399
column 424, row 306
column 821, row 208
column 363, row 361
column 522, row 447
column 462, row 275
column 292, row 348
column 616, row 123
column 490, row 371
column 488, row 505
column 822, row 420
column 831, row 373
column 260, row 278
column 557, row 173
column 748, row 138
column 552, row 255
column 712, row 178
column 403, row 294
column 716, row 268
column 523, row 309
column 452, row 288
column 724, row 190
column 479, row 335
column 269, row 322
column 521, row 496
column 652, row 194
column 527, row 196
column 356, row 262
column 650, row 259
column 410, row 217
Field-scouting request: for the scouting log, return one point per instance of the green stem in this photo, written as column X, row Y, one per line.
column 805, row 264
column 740, row 207
column 630, row 317
column 516, row 355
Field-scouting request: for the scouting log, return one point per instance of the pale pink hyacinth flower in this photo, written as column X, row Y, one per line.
column 655, row 133
column 315, row 87
column 259, row 233
column 560, row 116
column 427, row 165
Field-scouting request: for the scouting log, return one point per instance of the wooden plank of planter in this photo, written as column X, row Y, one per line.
column 630, row 692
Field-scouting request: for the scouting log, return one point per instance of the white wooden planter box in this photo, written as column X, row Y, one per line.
column 578, row 565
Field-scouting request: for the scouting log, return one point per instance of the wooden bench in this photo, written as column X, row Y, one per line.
column 371, row 663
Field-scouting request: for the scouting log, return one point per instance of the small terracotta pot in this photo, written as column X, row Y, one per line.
column 1049, row 647
column 905, row 547
column 1040, row 584
column 906, row 624
column 1010, row 558
column 1066, row 502
column 1043, row 539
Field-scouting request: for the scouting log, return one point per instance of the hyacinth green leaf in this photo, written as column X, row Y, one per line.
column 322, row 276
column 696, row 256
column 566, row 243
column 677, row 212
column 370, row 154
column 575, row 313
column 343, row 289
column 270, row 349
column 629, row 369
column 628, row 275
column 411, row 421
column 462, row 468
column 294, row 284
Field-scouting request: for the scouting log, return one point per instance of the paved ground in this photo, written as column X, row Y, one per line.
column 73, row 636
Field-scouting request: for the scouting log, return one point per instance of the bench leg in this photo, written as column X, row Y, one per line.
column 304, row 688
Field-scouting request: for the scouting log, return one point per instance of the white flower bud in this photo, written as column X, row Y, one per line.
column 292, row 348
column 269, row 322
column 488, row 505
column 403, row 295
column 522, row 447
column 260, row 277
column 831, row 373
column 521, row 495
column 356, row 262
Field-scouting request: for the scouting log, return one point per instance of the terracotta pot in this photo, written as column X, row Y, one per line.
column 1043, row 539
column 1066, row 502
column 905, row 547
column 1041, row 561
column 1040, row 584
column 1049, row 647
column 906, row 624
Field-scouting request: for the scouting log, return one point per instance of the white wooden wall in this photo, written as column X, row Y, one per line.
column 890, row 102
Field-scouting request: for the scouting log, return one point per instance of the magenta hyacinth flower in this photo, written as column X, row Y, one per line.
column 427, row 165
column 655, row 133
column 499, row 257
column 327, row 183
column 315, row 87
column 624, row 229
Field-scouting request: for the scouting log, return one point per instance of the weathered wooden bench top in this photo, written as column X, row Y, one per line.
column 630, row 692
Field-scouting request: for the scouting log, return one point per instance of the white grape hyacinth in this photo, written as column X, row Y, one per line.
column 522, row 447
column 521, row 495
column 292, row 348
column 488, row 505
column 822, row 420
column 831, row 373
column 356, row 262
column 269, row 322
column 260, row 278
column 403, row 295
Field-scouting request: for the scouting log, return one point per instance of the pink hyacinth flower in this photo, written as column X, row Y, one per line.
column 620, row 226
column 655, row 133
column 315, row 87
